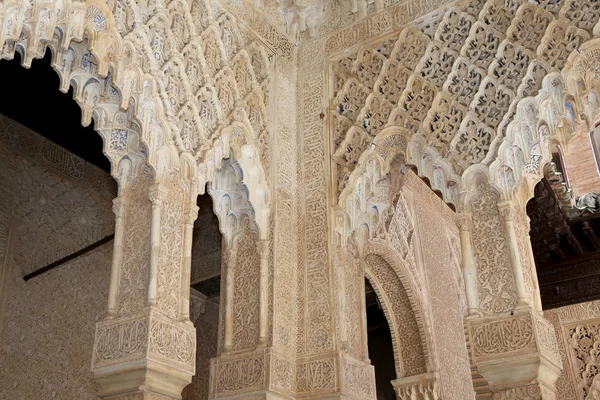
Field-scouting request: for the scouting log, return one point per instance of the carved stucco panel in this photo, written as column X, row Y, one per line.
column 499, row 338
column 446, row 294
column 246, row 299
column 494, row 274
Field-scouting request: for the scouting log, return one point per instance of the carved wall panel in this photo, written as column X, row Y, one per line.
column 245, row 302
column 47, row 323
column 578, row 332
column 443, row 271
column 495, row 277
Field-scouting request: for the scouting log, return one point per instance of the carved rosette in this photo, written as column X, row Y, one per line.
column 144, row 350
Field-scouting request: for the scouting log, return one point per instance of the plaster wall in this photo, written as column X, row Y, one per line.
column 51, row 204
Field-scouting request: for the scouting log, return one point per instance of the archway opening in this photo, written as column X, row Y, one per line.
column 225, row 274
column 205, row 296
column 56, row 225
column 380, row 347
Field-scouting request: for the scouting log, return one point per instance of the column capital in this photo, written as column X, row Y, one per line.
column 422, row 386
column 119, row 204
column 192, row 214
column 507, row 211
column 157, row 194
column 263, row 247
column 463, row 220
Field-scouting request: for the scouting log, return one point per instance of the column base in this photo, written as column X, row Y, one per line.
column 265, row 373
column 146, row 354
column 516, row 354
column 527, row 392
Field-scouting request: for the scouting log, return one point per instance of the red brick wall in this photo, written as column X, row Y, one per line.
column 581, row 166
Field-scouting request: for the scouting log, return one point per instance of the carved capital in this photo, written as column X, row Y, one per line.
column 463, row 221
column 157, row 194
column 507, row 211
column 423, row 386
column 192, row 214
column 263, row 247
column 119, row 205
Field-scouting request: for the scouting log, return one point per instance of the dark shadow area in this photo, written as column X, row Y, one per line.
column 381, row 350
column 32, row 98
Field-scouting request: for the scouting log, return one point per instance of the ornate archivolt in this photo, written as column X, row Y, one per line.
column 456, row 89
column 379, row 230
column 404, row 311
column 159, row 80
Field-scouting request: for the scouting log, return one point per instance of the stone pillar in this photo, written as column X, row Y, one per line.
column 508, row 213
column 244, row 367
column 145, row 347
column 512, row 345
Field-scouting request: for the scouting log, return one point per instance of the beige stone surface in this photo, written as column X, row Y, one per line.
column 314, row 126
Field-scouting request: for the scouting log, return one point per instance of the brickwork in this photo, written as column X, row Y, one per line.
column 580, row 163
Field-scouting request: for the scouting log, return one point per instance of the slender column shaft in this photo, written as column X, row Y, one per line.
column 191, row 216
column 156, row 196
column 508, row 214
column 119, row 205
column 468, row 261
column 229, row 289
column 264, row 290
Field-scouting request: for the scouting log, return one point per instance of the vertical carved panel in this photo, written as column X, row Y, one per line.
column 494, row 274
column 246, row 290
column 133, row 283
column 446, row 294
column 171, row 248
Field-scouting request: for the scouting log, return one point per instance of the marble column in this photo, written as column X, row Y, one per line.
column 145, row 346
column 512, row 345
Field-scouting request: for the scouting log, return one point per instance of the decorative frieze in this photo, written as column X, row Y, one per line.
column 358, row 379
column 383, row 22
column 152, row 337
column 316, row 376
column 240, row 373
column 498, row 338
column 119, row 341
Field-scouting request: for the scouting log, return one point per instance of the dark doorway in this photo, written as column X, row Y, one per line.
column 381, row 350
